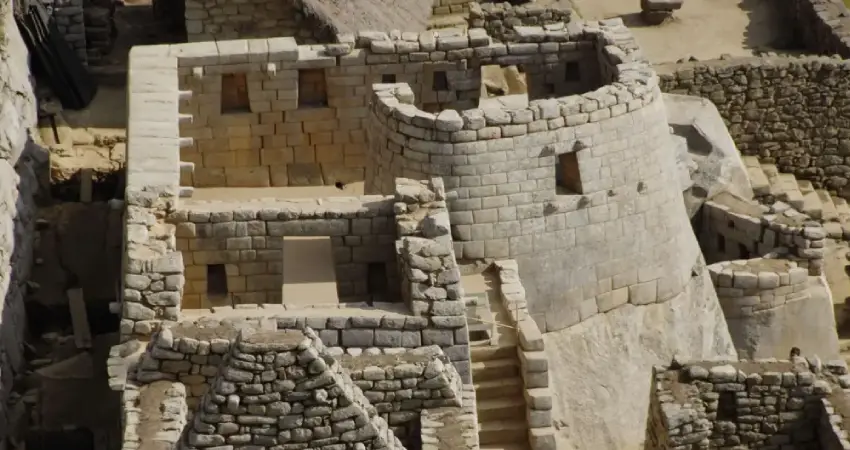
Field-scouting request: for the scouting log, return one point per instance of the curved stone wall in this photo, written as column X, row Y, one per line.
column 620, row 237
column 772, row 305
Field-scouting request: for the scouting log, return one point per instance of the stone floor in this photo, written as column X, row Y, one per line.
column 704, row 29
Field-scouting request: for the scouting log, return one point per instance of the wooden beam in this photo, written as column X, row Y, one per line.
column 79, row 318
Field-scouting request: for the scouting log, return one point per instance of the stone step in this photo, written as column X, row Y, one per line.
column 513, row 446
column 833, row 230
column 494, row 369
column 491, row 352
column 448, row 21
column 812, row 205
column 502, row 432
column 503, row 387
column 784, row 187
column 506, row 408
column 830, row 214
column 842, row 208
column 758, row 179
column 772, row 174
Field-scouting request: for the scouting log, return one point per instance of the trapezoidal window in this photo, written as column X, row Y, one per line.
column 567, row 175
column 440, row 81
column 312, row 88
column 388, row 78
column 216, row 281
column 376, row 280
column 234, row 94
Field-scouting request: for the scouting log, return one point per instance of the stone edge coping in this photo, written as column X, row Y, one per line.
column 634, row 86
column 270, row 208
column 534, row 362
column 724, row 275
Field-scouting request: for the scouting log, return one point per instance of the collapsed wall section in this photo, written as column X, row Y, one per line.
column 558, row 182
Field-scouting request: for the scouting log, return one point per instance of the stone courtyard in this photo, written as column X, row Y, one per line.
column 321, row 224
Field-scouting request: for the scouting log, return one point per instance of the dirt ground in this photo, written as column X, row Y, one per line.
column 704, row 29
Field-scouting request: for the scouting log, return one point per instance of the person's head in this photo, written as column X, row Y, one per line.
column 795, row 352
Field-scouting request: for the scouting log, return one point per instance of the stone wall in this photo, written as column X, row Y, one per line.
column 787, row 111
column 732, row 228
column 281, row 387
column 747, row 287
column 534, row 363
column 822, row 26
column 70, row 20
column 501, row 19
column 218, row 20
column 751, row 404
column 20, row 163
column 153, row 415
column 501, row 169
column 248, row 237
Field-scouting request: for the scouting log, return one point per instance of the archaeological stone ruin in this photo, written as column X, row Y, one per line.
column 369, row 225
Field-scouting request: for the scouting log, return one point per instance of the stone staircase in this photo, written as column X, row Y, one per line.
column 769, row 185
column 499, row 397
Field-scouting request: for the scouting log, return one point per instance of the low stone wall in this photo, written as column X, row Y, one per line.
column 534, row 364
column 501, row 19
column 289, row 391
column 732, row 228
column 775, row 109
column 153, row 416
column 247, row 236
column 746, row 287
column 714, row 405
column 216, row 20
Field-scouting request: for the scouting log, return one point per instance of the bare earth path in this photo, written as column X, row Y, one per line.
column 704, row 29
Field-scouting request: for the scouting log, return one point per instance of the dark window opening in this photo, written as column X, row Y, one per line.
column 441, row 81
column 727, row 409
column 312, row 88
column 743, row 251
column 731, row 224
column 234, row 94
column 216, row 281
column 721, row 243
column 567, row 175
column 388, row 78
column 572, row 72
column 376, row 280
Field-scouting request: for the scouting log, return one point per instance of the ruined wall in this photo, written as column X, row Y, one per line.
column 500, row 168
column 501, row 19
column 20, row 160
column 738, row 404
column 731, row 228
column 786, row 111
column 822, row 26
column 217, row 20
column 247, row 238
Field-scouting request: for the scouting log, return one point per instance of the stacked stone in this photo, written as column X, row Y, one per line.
column 655, row 12
column 400, row 386
column 713, row 406
column 69, row 18
column 162, row 424
column 762, row 230
column 822, row 25
column 442, row 428
column 534, row 363
column 215, row 20
column 747, row 287
column 500, row 19
column 281, row 388
column 100, row 32
column 833, row 432
column 152, row 266
column 246, row 236
column 801, row 149
column 430, row 274
column 446, row 7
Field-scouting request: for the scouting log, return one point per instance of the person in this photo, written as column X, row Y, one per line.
column 795, row 352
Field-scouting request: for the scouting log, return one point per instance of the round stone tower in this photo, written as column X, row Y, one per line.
column 580, row 189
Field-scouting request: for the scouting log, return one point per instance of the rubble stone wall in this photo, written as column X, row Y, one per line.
column 740, row 230
column 501, row 19
column 218, row 20
column 822, row 26
column 20, row 162
column 500, row 168
column 718, row 405
column 787, row 111
column 281, row 387
column 70, row 20
column 247, row 238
